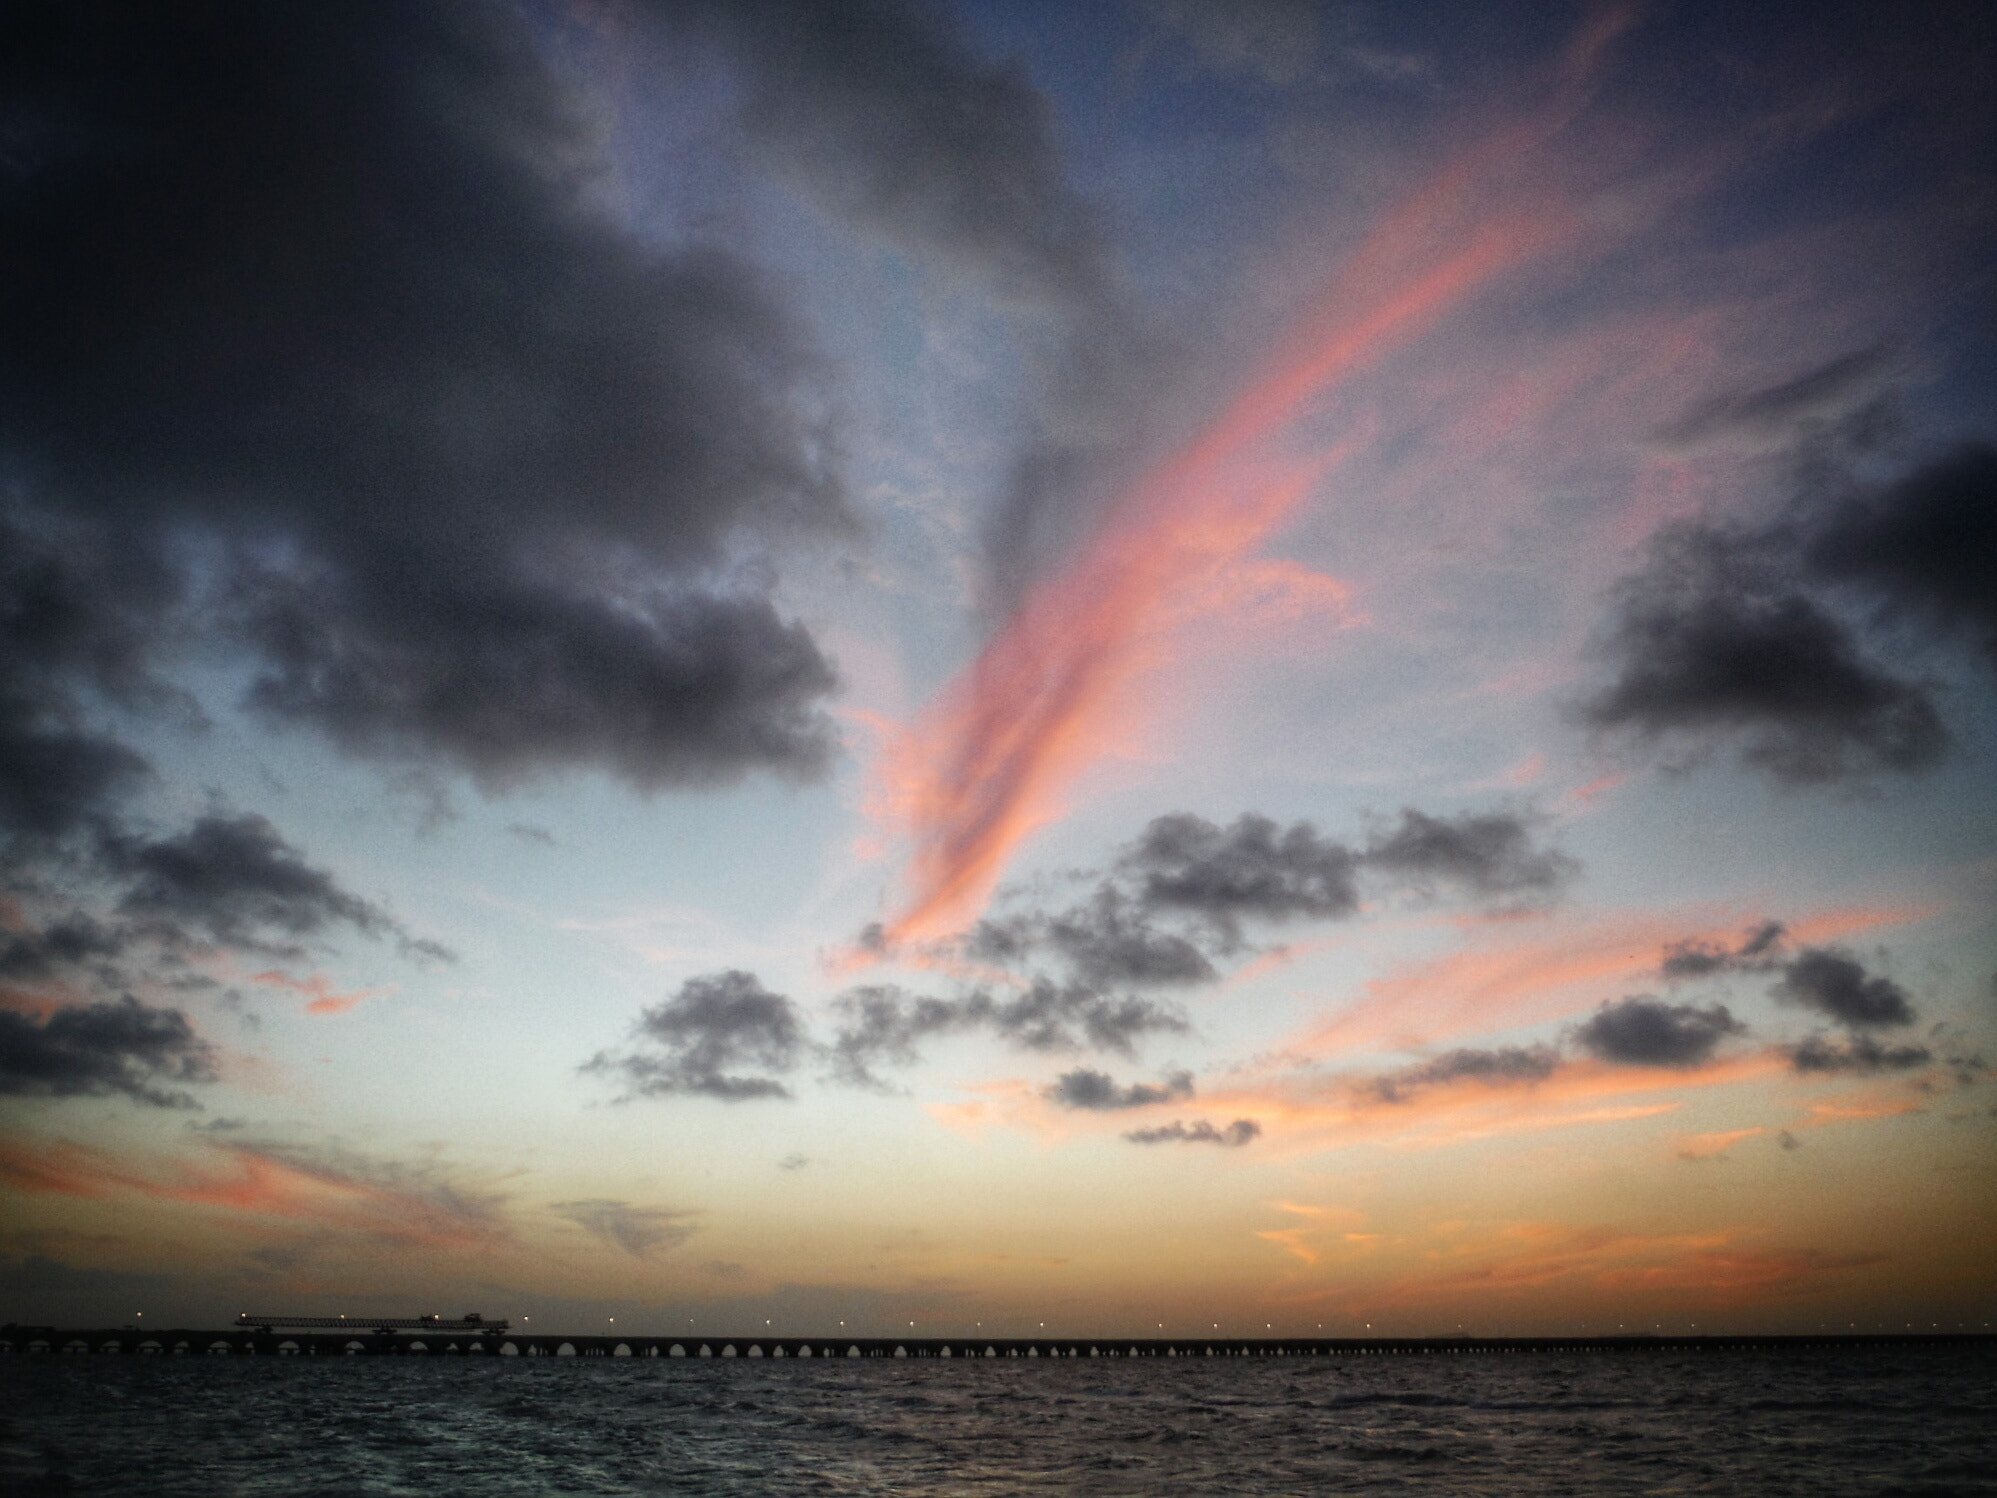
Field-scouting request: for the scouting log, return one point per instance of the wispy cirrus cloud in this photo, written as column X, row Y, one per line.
column 420, row 1204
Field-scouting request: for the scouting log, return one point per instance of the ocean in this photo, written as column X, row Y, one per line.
column 1905, row 1420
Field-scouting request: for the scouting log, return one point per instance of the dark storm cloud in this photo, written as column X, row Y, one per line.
column 71, row 628
column 315, row 306
column 1836, row 985
column 700, row 1041
column 121, row 1047
column 1643, row 1031
column 1491, row 854
column 1924, row 545
column 1500, row 1067
column 1856, row 1053
column 1236, row 1134
column 636, row 1230
column 1755, row 954
column 1096, row 1091
column 1713, row 641
column 1777, row 639
column 1253, row 868
column 883, row 1025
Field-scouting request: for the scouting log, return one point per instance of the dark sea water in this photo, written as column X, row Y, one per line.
column 1899, row 1420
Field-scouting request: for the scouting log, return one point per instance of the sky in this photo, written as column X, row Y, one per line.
column 1130, row 666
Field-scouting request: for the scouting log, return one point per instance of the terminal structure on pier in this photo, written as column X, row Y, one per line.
column 471, row 1324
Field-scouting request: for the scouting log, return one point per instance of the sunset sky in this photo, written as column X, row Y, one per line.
column 1121, row 665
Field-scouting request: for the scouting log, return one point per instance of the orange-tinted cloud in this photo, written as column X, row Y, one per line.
column 1509, row 980
column 1698, row 1148
column 1303, row 1113
column 988, row 763
column 318, row 991
column 1494, row 1264
column 383, row 1202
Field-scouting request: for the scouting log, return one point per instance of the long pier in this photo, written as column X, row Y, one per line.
column 455, row 1340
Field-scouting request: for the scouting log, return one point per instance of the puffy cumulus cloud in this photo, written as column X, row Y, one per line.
column 1252, row 868
column 1242, row 1131
column 636, row 1230
column 700, row 1041
column 121, row 1047
column 1755, row 953
column 234, row 880
column 1715, row 641
column 883, row 1025
column 1110, row 939
column 1107, row 938
column 1183, row 892
column 1491, row 855
column 1856, row 1053
column 1775, row 638
column 312, row 319
column 1837, row 986
column 1098, row 1092
column 1502, row 1066
column 1644, row 1031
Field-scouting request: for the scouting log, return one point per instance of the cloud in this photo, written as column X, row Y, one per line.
column 636, row 1230
column 1836, row 985
column 1236, row 1134
column 884, row 1025
column 1698, row 1149
column 95, row 1050
column 1715, row 640
column 412, row 1204
column 698, row 1041
column 1253, row 868
column 1775, row 638
column 235, row 881
column 1109, row 940
column 1922, row 544
column 72, row 626
column 1095, row 1091
column 1489, row 854
column 1179, row 895
column 462, row 459
column 1643, row 1031
column 1706, row 959
column 1778, row 410
column 1274, row 40
column 882, row 115
column 73, row 939
column 1856, row 1053
column 1501, row 1067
